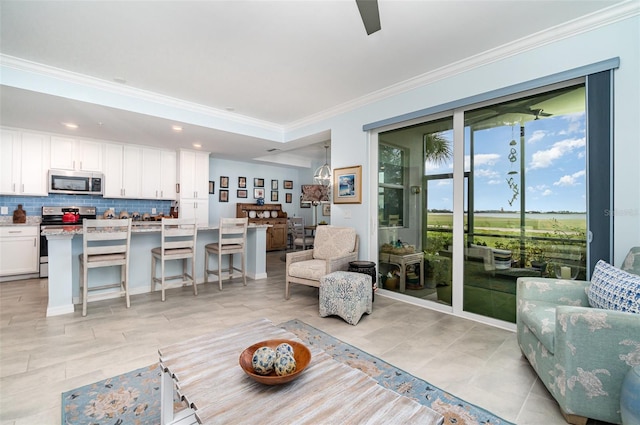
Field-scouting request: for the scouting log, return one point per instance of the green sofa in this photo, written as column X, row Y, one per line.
column 580, row 353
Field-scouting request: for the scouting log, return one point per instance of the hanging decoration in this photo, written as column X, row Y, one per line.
column 513, row 158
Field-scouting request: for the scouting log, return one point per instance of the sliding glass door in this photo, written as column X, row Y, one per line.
column 525, row 201
column 526, row 196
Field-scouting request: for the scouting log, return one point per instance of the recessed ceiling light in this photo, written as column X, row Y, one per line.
column 70, row 125
column 120, row 80
column 197, row 145
column 176, row 128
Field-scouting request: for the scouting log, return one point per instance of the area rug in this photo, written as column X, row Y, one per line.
column 454, row 410
column 134, row 397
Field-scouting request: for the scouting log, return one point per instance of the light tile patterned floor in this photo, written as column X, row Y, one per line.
column 42, row 357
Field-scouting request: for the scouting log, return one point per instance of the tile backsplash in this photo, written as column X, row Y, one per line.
column 33, row 204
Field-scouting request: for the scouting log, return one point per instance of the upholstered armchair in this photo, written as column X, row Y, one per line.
column 334, row 247
column 581, row 338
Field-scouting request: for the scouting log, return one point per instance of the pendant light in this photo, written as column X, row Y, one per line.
column 323, row 174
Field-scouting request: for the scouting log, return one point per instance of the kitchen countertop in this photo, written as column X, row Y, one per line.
column 139, row 227
column 7, row 221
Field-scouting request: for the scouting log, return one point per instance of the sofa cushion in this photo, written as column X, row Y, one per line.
column 614, row 289
column 310, row 269
column 540, row 318
column 333, row 241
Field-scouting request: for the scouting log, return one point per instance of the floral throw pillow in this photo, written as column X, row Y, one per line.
column 614, row 289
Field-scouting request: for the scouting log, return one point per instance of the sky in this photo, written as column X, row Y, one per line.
column 555, row 165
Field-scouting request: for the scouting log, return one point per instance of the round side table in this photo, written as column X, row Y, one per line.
column 365, row 267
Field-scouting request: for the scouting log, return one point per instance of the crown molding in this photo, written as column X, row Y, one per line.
column 126, row 91
column 595, row 20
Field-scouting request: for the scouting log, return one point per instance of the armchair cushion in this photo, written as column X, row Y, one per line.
column 332, row 241
column 614, row 289
column 310, row 269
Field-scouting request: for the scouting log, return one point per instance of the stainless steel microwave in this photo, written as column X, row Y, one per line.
column 75, row 182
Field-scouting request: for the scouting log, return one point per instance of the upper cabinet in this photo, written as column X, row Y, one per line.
column 194, row 174
column 158, row 174
column 141, row 173
column 23, row 163
column 76, row 155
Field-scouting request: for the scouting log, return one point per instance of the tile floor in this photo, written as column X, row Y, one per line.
column 42, row 357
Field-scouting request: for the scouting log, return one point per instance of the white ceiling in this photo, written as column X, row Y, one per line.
column 275, row 64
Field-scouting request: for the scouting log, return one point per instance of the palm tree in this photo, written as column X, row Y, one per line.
column 437, row 149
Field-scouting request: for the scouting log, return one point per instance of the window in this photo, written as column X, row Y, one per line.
column 391, row 185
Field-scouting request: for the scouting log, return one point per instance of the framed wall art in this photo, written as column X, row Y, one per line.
column 347, row 184
column 287, row 184
column 212, row 187
column 304, row 204
column 242, row 193
column 288, row 198
column 258, row 182
column 274, row 184
column 274, row 196
column 223, row 196
column 242, row 182
column 224, row 182
column 258, row 193
column 326, row 210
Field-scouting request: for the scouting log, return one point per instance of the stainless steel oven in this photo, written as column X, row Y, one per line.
column 56, row 217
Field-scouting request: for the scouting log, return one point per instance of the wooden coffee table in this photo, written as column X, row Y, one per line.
column 207, row 376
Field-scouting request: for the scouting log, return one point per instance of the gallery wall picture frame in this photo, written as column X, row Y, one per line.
column 242, row 182
column 287, row 184
column 288, row 198
column 223, row 195
column 242, row 193
column 274, row 196
column 258, row 182
column 326, row 210
column 212, row 187
column 347, row 185
column 258, row 192
column 224, row 182
column 304, row 204
column 274, row 184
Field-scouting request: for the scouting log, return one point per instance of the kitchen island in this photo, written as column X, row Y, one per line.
column 65, row 245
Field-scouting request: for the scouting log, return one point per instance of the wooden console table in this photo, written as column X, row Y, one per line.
column 270, row 214
column 207, row 376
column 402, row 261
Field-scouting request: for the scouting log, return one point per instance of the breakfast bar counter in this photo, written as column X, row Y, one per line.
column 65, row 245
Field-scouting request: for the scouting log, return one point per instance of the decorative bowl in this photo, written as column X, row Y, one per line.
column 274, row 214
column 301, row 354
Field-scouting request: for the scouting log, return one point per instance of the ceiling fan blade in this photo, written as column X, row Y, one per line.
column 370, row 15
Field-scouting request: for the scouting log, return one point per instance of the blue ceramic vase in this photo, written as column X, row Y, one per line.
column 630, row 397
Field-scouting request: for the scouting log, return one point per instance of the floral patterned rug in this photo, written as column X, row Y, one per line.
column 454, row 410
column 134, row 397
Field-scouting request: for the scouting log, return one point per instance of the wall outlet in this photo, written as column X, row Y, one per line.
column 347, row 214
column 153, row 211
column 4, row 210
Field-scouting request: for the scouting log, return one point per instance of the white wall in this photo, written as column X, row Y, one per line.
column 350, row 145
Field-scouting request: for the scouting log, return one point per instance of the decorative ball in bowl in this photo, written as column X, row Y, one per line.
column 301, row 356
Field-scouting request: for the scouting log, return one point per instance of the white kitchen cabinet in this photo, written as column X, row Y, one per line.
column 158, row 174
column 195, row 208
column 193, row 169
column 23, row 163
column 112, row 185
column 122, row 171
column 193, row 175
column 75, row 155
column 19, row 250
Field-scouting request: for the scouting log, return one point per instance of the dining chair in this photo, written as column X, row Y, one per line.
column 178, row 242
column 232, row 239
column 105, row 243
column 299, row 234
